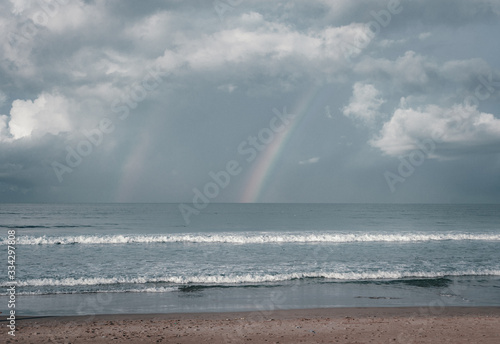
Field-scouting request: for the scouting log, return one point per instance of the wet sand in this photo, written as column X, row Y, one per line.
column 327, row 325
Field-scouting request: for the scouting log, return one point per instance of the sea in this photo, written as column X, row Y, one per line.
column 85, row 259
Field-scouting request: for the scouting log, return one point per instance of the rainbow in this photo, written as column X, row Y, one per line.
column 266, row 162
column 133, row 168
column 261, row 170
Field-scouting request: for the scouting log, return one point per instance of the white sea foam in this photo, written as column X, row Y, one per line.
column 132, row 290
column 253, row 238
column 248, row 278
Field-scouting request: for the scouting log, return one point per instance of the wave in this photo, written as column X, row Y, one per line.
column 46, row 227
column 236, row 279
column 131, row 290
column 25, row 226
column 251, row 238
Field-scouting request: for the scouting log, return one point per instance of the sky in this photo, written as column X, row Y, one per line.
column 250, row 101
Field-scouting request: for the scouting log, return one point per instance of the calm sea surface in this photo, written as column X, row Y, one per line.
column 140, row 258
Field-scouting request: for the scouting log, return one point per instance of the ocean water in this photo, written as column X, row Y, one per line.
column 140, row 258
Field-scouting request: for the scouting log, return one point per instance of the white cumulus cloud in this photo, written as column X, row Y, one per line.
column 46, row 114
column 457, row 129
column 364, row 104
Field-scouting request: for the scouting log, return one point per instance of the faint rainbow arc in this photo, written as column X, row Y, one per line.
column 266, row 162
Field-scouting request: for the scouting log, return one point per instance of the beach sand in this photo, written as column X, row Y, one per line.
column 327, row 325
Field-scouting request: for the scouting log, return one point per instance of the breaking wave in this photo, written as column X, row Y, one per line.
column 252, row 238
column 248, row 278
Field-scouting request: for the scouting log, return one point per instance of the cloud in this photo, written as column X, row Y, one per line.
column 309, row 161
column 451, row 12
column 458, row 130
column 414, row 69
column 417, row 76
column 364, row 104
column 409, row 69
column 268, row 44
column 424, row 35
column 465, row 72
column 263, row 60
column 19, row 6
column 386, row 43
column 229, row 88
column 4, row 130
column 62, row 69
column 46, row 114
column 3, row 98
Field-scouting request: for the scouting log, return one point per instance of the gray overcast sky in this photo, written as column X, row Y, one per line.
column 139, row 101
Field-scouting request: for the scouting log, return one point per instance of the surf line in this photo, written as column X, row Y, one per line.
column 249, row 148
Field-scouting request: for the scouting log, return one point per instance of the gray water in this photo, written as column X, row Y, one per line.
column 140, row 258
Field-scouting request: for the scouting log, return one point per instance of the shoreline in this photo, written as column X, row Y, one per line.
column 288, row 313
column 318, row 325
